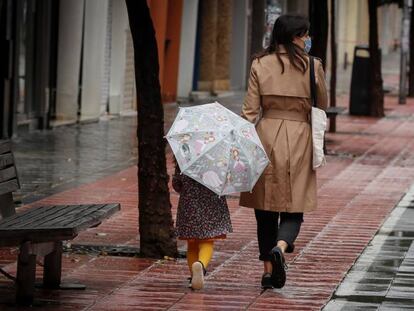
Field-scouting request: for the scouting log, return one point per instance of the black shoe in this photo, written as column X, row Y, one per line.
column 278, row 268
column 267, row 281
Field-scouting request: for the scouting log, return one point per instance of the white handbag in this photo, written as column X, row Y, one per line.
column 318, row 123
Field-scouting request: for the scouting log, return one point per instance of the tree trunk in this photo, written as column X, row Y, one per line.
column 411, row 73
column 375, row 87
column 318, row 17
column 332, row 94
column 155, row 219
column 257, row 26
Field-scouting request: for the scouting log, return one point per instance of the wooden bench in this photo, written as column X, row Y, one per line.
column 40, row 231
column 331, row 113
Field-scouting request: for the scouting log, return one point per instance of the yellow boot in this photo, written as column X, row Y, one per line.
column 198, row 268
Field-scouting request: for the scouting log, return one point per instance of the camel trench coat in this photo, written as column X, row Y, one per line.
column 280, row 106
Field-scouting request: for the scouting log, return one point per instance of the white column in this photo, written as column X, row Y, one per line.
column 96, row 12
column 238, row 58
column 345, row 14
column 187, row 48
column 69, row 55
column 118, row 55
column 385, row 29
column 105, row 83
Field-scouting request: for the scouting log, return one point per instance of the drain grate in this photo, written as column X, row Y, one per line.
column 339, row 154
column 107, row 250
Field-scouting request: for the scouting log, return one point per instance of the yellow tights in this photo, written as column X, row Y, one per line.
column 199, row 250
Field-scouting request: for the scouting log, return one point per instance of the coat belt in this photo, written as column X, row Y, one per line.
column 285, row 115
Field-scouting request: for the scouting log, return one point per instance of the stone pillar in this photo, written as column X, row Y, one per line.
column 96, row 12
column 362, row 28
column 118, row 55
column 187, row 48
column 348, row 29
column 69, row 55
column 129, row 104
column 215, row 43
column 224, row 34
column 208, row 44
column 238, row 54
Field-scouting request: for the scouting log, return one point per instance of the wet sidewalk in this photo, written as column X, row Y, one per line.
column 383, row 276
column 370, row 168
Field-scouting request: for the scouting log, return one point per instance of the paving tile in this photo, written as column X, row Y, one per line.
column 395, row 306
column 343, row 305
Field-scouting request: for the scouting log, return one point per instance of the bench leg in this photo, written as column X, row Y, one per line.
column 332, row 124
column 53, row 267
column 26, row 273
column 6, row 205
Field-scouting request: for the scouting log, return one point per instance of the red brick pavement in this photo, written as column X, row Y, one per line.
column 371, row 168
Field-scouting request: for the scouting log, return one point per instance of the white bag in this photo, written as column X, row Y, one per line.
column 318, row 123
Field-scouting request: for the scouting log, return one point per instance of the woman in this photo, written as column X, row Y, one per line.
column 278, row 100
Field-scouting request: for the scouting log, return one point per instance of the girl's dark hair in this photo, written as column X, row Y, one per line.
column 285, row 29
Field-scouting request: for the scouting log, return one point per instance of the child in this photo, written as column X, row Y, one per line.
column 202, row 217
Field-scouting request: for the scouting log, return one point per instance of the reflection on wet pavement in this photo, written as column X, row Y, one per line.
column 383, row 276
column 55, row 160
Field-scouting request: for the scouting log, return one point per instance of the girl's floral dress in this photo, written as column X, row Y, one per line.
column 201, row 213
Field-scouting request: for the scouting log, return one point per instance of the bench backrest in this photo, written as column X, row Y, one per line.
column 9, row 181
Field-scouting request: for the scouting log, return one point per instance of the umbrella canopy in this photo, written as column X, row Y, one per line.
column 217, row 148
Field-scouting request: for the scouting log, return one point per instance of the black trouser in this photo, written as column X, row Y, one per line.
column 270, row 231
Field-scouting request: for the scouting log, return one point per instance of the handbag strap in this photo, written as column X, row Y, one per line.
column 312, row 81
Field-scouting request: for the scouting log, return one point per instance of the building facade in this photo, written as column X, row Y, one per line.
column 66, row 62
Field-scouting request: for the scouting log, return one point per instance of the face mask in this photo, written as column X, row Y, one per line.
column 308, row 44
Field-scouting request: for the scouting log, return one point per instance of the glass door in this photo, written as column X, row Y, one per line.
column 24, row 61
column 36, row 55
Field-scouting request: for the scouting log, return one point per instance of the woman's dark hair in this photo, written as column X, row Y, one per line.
column 285, row 29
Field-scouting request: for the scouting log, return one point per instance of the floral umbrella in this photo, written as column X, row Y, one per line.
column 217, row 148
